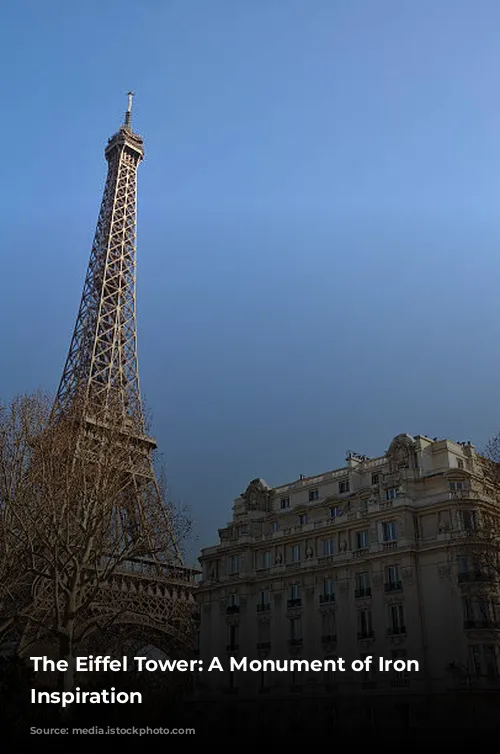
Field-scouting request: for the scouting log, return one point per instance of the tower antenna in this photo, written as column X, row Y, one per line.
column 130, row 96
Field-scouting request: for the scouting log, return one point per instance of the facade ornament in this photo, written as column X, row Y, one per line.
column 257, row 496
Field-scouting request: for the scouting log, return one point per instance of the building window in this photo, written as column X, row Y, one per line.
column 467, row 520
column 392, row 578
column 469, row 568
column 233, row 636
column 460, row 463
column 295, row 629
column 363, row 588
column 396, row 618
column 374, row 479
column 457, row 486
column 479, row 612
column 362, row 540
column 264, row 602
column 328, row 627
column 267, row 559
column 264, row 632
column 463, row 564
column 490, row 661
column 295, row 553
column 284, row 503
column 233, row 599
column 295, row 592
column 328, row 547
column 485, row 610
column 468, row 609
column 370, row 675
column 399, row 654
column 391, row 493
column 343, row 486
column 303, row 519
column 234, row 564
column 475, row 660
column 313, row 495
column 365, row 630
column 276, row 526
column 334, row 511
column 328, row 591
column 389, row 531
column 330, row 679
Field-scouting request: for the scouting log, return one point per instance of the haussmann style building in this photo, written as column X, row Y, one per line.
column 381, row 558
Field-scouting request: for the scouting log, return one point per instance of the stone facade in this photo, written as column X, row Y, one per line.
column 382, row 557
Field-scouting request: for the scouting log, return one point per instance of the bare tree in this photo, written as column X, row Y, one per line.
column 82, row 517
column 20, row 422
column 487, row 525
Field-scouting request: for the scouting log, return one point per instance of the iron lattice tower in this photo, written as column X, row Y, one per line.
column 101, row 372
column 101, row 367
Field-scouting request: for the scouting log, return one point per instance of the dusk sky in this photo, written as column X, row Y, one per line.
column 319, row 222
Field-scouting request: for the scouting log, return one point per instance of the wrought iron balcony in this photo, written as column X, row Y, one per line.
column 264, row 645
column 469, row 576
column 232, row 609
column 326, row 598
column 232, row 648
column 396, row 631
column 328, row 639
column 366, row 634
column 393, row 586
column 294, row 603
column 295, row 642
column 263, row 607
column 481, row 624
column 365, row 592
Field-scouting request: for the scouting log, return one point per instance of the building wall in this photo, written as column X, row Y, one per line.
column 298, row 552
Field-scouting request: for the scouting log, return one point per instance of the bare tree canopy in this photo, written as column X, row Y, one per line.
column 76, row 528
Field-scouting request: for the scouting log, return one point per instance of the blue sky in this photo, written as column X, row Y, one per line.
column 319, row 225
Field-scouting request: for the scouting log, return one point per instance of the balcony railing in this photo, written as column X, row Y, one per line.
column 263, row 607
column 232, row 609
column 389, row 545
column 328, row 639
column 232, row 647
column 393, row 586
column 295, row 642
column 400, row 682
column 469, row 576
column 294, row 603
column 359, row 552
column 364, row 592
column 264, row 645
column 326, row 598
column 396, row 631
column 481, row 624
column 366, row 634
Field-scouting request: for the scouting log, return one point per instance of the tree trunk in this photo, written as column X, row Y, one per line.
column 67, row 678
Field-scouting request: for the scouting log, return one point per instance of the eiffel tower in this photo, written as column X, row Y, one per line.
column 101, row 378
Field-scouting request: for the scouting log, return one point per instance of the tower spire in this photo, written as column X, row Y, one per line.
column 130, row 96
